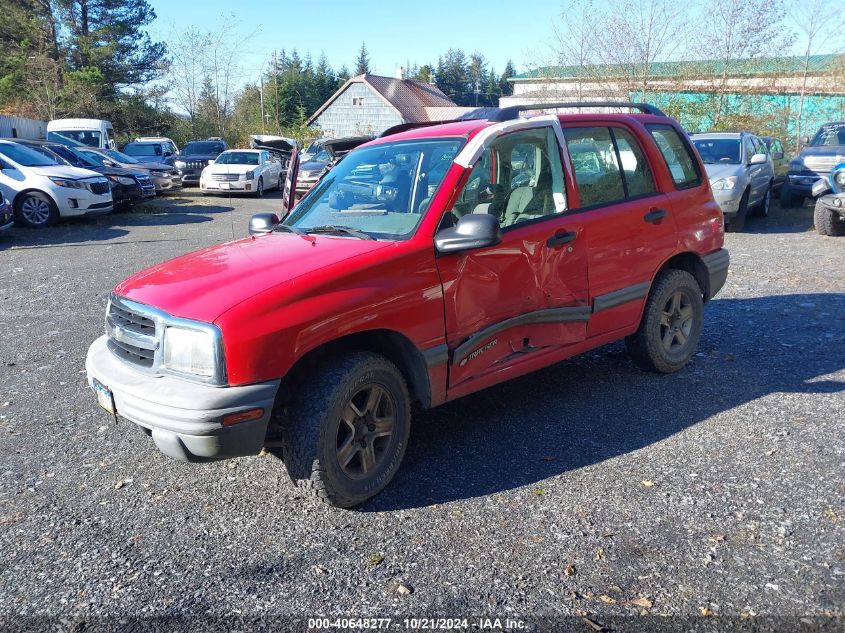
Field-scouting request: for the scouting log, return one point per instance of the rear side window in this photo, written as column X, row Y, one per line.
column 595, row 163
column 678, row 156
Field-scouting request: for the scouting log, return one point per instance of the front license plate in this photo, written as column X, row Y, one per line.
column 224, row 185
column 104, row 397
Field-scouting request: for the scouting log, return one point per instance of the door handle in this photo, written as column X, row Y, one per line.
column 655, row 215
column 561, row 237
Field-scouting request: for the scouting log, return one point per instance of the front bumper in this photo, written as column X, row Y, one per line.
column 728, row 201
column 833, row 201
column 801, row 183
column 717, row 265
column 183, row 418
column 166, row 183
column 242, row 186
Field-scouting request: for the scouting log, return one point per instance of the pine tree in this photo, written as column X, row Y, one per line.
column 506, row 87
column 362, row 64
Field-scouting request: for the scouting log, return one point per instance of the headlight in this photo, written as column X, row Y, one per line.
column 839, row 177
column 158, row 172
column 123, row 180
column 65, row 182
column 211, row 162
column 723, row 183
column 249, row 175
column 180, row 164
column 190, row 351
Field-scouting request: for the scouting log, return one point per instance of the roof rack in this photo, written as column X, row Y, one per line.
column 512, row 112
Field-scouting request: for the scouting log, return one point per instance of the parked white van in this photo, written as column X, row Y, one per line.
column 42, row 190
column 90, row 132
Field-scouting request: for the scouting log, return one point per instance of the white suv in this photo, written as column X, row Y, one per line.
column 41, row 190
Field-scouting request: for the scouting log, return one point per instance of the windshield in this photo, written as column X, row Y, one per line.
column 142, row 150
column 831, row 134
column 237, row 158
column 75, row 158
column 120, row 157
column 203, row 147
column 383, row 190
column 26, row 157
column 83, row 137
column 718, row 150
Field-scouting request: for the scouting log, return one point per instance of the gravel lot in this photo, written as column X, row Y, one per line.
column 715, row 495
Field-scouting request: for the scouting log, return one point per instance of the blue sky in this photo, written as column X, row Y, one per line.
column 394, row 32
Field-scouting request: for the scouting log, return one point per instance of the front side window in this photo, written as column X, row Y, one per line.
column 596, row 166
column 519, row 178
column 635, row 169
column 750, row 148
column 677, row 154
column 382, row 190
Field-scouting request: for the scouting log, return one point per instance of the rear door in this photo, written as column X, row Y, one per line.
column 528, row 294
column 628, row 222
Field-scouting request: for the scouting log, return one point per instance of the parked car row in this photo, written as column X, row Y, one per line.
column 43, row 181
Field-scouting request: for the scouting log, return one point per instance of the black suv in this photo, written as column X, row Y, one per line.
column 195, row 157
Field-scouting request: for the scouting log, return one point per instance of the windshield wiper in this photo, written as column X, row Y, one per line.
column 285, row 228
column 344, row 230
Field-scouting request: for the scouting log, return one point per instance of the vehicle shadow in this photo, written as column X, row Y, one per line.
column 104, row 229
column 783, row 219
column 599, row 405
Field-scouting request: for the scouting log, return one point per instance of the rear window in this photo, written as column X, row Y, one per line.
column 678, row 156
column 204, row 147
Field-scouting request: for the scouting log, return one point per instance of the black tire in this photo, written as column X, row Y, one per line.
column 653, row 346
column 827, row 221
column 280, row 185
column 317, row 437
column 36, row 210
column 762, row 209
column 789, row 199
column 259, row 190
column 737, row 223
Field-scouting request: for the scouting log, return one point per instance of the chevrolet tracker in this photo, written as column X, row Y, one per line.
column 432, row 262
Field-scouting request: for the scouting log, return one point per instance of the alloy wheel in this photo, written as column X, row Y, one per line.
column 676, row 321
column 364, row 431
column 35, row 210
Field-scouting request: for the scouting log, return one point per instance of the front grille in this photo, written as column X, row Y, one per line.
column 99, row 188
column 100, row 205
column 821, row 163
column 132, row 336
column 226, row 177
column 145, row 182
column 195, row 164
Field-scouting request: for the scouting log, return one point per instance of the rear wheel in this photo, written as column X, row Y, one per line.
column 827, row 221
column 347, row 429
column 737, row 223
column 671, row 325
column 36, row 210
column 280, row 184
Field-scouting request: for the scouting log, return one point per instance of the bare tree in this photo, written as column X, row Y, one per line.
column 737, row 33
column 43, row 81
column 815, row 22
column 188, row 70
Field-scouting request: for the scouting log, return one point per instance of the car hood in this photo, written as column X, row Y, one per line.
column 721, row 170
column 204, row 284
column 312, row 165
column 65, row 171
column 230, row 168
column 837, row 151
column 204, row 157
column 119, row 171
column 149, row 166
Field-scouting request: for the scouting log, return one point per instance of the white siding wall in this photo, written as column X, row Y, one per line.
column 19, row 127
column 342, row 118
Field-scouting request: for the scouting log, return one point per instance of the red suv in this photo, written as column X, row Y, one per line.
column 430, row 263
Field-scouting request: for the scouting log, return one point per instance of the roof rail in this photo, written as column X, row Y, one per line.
column 512, row 112
column 404, row 127
column 479, row 114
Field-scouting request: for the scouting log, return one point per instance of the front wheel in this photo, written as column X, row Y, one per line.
column 827, row 221
column 347, row 428
column 762, row 210
column 259, row 190
column 737, row 223
column 36, row 210
column 671, row 325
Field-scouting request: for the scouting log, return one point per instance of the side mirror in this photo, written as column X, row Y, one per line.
column 805, row 140
column 777, row 156
column 476, row 230
column 820, row 187
column 262, row 223
column 758, row 159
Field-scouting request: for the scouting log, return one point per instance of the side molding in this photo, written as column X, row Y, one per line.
column 618, row 297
